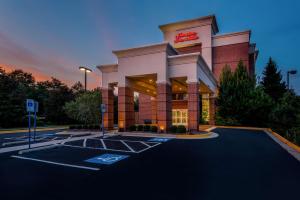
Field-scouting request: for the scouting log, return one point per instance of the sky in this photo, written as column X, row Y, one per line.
column 55, row 37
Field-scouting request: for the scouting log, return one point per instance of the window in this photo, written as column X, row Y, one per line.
column 179, row 117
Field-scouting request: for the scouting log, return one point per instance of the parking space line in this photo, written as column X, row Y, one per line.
column 103, row 144
column 57, row 163
column 144, row 143
column 118, row 150
column 84, row 142
column 148, row 148
column 67, row 145
column 127, row 146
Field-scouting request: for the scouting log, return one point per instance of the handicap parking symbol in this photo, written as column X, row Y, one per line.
column 159, row 139
column 107, row 159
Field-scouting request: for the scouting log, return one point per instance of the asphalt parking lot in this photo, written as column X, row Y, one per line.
column 239, row 164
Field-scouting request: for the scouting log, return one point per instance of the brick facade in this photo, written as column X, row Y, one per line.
column 145, row 110
column 230, row 55
column 193, row 106
column 125, row 108
column 179, row 104
column 212, row 110
column 164, row 106
column 108, row 100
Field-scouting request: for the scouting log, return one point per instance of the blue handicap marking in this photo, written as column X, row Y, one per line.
column 107, row 159
column 159, row 139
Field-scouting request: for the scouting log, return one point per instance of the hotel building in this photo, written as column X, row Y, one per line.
column 177, row 80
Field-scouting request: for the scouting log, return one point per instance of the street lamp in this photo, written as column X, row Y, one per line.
column 288, row 77
column 86, row 70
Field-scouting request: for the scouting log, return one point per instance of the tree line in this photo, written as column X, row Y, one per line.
column 244, row 100
column 56, row 100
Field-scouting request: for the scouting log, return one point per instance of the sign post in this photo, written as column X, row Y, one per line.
column 30, row 109
column 36, row 109
column 103, row 110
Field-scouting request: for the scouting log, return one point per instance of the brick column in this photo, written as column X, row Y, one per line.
column 153, row 110
column 164, row 106
column 144, row 107
column 212, row 110
column 108, row 100
column 193, row 106
column 125, row 108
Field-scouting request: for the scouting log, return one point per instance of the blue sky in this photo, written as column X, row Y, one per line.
column 54, row 37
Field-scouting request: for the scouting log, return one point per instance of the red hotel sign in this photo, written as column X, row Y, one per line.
column 182, row 37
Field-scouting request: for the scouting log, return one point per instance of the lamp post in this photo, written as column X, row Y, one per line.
column 288, row 77
column 86, row 70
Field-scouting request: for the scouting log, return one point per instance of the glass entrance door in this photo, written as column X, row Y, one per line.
column 179, row 116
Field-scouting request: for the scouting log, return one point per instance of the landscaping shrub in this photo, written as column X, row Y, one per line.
column 71, row 127
column 90, row 127
column 293, row 135
column 181, row 129
column 154, row 129
column 140, row 127
column 173, row 129
column 147, row 128
column 85, row 126
column 96, row 126
column 132, row 128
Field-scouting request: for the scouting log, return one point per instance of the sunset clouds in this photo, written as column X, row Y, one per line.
column 43, row 67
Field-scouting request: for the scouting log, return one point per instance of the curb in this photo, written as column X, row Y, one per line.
column 177, row 136
column 283, row 140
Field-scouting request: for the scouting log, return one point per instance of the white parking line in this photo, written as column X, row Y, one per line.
column 84, row 142
column 144, row 143
column 103, row 144
column 129, row 147
column 57, row 163
column 118, row 150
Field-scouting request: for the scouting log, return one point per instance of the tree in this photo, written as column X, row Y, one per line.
column 272, row 81
column 15, row 88
column 57, row 95
column 85, row 108
column 77, row 88
column 239, row 99
column 286, row 113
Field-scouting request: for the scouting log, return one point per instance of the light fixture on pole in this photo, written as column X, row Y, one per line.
column 293, row 72
column 86, row 70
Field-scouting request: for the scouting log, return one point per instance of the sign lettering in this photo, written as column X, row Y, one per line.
column 182, row 37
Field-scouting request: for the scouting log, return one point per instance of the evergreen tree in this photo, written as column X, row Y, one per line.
column 272, row 81
column 239, row 100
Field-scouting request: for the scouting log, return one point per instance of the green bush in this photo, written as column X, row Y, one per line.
column 147, row 128
column 72, row 127
column 96, row 126
column 140, row 127
column 173, row 129
column 226, row 121
column 181, row 129
column 293, row 135
column 132, row 128
column 85, row 126
column 154, row 129
column 90, row 127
